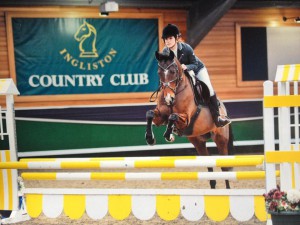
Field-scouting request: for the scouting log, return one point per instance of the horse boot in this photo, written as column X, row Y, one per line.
column 213, row 106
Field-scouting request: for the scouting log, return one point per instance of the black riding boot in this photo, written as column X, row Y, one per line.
column 214, row 110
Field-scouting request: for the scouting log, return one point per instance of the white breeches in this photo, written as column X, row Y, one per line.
column 203, row 76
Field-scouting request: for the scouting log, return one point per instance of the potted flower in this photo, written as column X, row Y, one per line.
column 284, row 207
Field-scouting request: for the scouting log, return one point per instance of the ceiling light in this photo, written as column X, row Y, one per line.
column 296, row 19
column 106, row 7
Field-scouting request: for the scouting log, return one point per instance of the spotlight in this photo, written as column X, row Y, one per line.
column 104, row 14
column 296, row 19
column 107, row 7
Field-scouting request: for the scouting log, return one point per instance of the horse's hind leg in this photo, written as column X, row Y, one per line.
column 149, row 136
column 200, row 145
column 212, row 183
column 226, row 181
column 222, row 139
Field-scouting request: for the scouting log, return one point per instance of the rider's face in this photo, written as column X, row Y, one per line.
column 170, row 42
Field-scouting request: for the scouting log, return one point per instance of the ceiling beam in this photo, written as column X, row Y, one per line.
column 250, row 4
column 175, row 4
column 203, row 17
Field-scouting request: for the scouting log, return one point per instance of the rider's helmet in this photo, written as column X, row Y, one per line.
column 170, row 30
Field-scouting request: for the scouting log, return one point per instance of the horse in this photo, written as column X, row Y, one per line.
column 86, row 35
column 177, row 109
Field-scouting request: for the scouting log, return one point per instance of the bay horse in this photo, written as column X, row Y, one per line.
column 177, row 109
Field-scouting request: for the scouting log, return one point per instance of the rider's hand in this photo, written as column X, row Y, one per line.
column 183, row 67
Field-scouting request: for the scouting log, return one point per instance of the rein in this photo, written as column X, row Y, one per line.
column 151, row 99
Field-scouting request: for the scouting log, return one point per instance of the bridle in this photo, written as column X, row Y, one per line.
column 178, row 78
column 163, row 85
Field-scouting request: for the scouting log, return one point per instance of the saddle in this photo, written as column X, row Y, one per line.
column 200, row 90
column 201, row 97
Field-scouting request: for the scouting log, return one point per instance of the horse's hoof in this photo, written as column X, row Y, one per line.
column 171, row 139
column 150, row 139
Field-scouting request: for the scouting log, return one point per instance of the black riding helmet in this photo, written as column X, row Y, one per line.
column 170, row 30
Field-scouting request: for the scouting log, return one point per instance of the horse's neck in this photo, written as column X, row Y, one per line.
column 189, row 97
column 185, row 83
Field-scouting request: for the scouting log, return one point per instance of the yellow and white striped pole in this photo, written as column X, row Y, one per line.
column 130, row 176
column 111, row 164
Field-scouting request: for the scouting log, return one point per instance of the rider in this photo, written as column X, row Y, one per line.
column 189, row 61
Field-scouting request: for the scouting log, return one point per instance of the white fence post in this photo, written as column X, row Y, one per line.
column 284, row 130
column 8, row 88
column 269, row 137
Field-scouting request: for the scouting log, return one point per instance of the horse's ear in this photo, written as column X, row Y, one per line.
column 171, row 55
column 157, row 55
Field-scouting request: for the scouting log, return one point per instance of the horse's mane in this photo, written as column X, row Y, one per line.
column 179, row 66
column 160, row 56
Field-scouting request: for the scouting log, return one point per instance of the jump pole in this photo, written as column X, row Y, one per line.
column 143, row 176
column 126, row 164
column 191, row 157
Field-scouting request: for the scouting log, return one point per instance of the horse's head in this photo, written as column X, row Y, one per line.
column 82, row 32
column 170, row 74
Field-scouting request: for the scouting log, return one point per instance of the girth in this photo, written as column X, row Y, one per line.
column 190, row 127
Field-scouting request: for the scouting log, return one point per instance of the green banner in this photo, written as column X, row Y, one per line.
column 56, row 56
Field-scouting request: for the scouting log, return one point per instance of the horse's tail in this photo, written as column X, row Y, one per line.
column 230, row 146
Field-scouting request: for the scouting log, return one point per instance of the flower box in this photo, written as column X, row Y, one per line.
column 284, row 206
column 285, row 218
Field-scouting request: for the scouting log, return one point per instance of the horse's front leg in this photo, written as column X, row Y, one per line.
column 168, row 133
column 156, row 118
column 149, row 136
column 180, row 121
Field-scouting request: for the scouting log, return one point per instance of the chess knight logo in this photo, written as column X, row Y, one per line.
column 86, row 35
